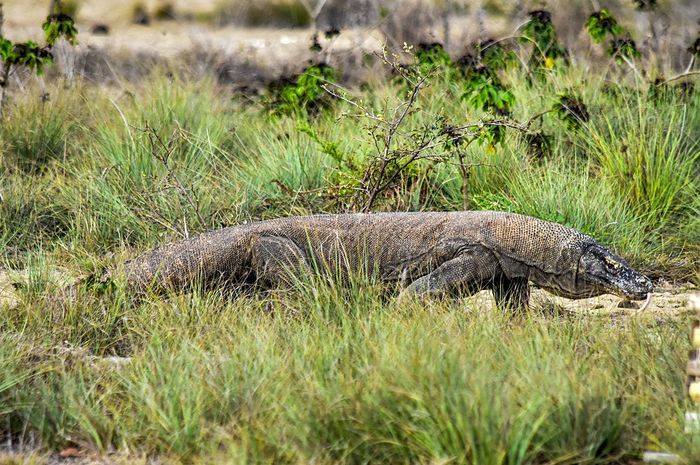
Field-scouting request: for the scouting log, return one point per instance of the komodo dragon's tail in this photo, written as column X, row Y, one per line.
column 221, row 255
column 210, row 258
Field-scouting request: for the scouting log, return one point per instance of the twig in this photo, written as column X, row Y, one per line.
column 538, row 115
column 154, row 215
column 465, row 169
column 504, row 123
column 365, row 112
column 156, row 141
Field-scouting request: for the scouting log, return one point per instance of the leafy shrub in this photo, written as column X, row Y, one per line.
column 602, row 23
column 305, row 95
column 621, row 47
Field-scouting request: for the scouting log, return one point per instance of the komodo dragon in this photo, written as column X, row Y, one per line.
column 453, row 253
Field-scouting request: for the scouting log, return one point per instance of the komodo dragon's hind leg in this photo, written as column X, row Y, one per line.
column 511, row 294
column 470, row 271
column 275, row 259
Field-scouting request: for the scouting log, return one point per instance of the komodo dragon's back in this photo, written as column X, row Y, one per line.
column 431, row 251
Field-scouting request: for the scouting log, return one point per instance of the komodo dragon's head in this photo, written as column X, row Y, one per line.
column 602, row 272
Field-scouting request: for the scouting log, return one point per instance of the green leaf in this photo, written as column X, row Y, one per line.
column 601, row 23
column 6, row 47
column 60, row 25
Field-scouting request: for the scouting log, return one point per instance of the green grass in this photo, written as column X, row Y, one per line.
column 335, row 375
column 326, row 373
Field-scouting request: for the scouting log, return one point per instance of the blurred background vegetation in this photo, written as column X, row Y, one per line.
column 244, row 42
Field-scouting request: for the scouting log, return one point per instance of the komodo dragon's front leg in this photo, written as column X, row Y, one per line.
column 472, row 270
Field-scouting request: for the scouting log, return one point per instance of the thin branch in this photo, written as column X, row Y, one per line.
column 155, row 215
column 505, row 123
column 366, row 113
column 502, row 39
column 536, row 116
column 393, row 127
column 680, row 76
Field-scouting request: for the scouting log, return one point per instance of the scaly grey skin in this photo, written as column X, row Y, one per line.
column 455, row 253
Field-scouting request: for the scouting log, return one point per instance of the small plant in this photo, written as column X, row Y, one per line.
column 547, row 52
column 496, row 54
column 305, row 96
column 59, row 25
column 431, row 56
column 398, row 148
column 485, row 91
column 602, row 23
column 621, row 47
column 27, row 54
column 31, row 55
column 483, row 88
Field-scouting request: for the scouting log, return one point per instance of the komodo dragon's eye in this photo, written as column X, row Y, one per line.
column 613, row 266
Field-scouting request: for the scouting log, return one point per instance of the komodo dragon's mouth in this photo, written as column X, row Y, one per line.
column 627, row 283
column 607, row 273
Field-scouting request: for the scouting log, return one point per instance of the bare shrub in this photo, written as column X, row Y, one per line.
column 105, row 65
column 269, row 13
column 409, row 21
column 338, row 14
